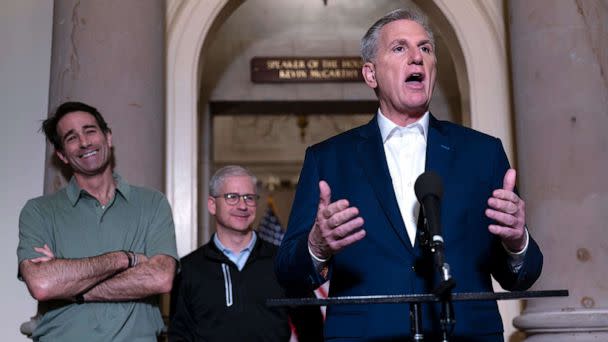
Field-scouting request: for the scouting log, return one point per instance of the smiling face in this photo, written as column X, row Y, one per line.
column 235, row 218
column 85, row 148
column 403, row 71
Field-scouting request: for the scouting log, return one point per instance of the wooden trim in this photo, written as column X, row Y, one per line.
column 292, row 107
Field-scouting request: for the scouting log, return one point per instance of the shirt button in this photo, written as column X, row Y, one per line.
column 413, row 268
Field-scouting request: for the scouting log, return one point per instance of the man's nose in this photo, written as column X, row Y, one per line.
column 84, row 141
column 241, row 204
column 414, row 56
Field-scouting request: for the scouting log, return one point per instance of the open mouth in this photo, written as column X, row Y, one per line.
column 89, row 154
column 415, row 77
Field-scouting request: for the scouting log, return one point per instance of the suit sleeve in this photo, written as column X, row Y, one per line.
column 293, row 265
column 533, row 261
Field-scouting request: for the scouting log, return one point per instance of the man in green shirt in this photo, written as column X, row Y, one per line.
column 98, row 250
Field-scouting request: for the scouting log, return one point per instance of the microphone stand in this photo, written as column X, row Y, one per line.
column 443, row 290
column 416, row 322
column 429, row 190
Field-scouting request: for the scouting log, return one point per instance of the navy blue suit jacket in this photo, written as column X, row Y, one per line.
column 471, row 165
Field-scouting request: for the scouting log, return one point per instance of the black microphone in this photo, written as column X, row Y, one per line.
column 429, row 191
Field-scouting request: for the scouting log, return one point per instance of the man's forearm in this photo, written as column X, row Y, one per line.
column 148, row 278
column 66, row 278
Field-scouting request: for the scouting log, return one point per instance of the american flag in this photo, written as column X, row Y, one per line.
column 323, row 292
column 270, row 229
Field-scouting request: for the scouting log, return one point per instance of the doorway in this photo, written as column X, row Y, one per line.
column 270, row 139
column 473, row 33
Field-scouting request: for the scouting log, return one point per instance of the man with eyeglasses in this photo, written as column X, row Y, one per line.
column 222, row 287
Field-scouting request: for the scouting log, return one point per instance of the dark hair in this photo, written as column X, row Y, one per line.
column 49, row 126
column 370, row 39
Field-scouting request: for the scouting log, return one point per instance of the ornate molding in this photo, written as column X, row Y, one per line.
column 189, row 22
column 563, row 321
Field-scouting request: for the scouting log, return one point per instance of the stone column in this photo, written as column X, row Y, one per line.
column 560, row 87
column 110, row 55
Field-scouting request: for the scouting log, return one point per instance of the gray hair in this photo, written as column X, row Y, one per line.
column 219, row 177
column 369, row 41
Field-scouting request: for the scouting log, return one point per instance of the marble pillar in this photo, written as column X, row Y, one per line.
column 559, row 55
column 110, row 55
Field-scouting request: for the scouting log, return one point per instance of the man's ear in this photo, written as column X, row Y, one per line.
column 211, row 205
column 61, row 156
column 109, row 138
column 369, row 74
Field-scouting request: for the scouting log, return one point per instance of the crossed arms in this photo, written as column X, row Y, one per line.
column 105, row 277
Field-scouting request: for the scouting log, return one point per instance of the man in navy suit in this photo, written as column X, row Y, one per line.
column 355, row 214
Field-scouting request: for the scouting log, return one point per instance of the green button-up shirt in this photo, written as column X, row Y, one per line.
column 75, row 225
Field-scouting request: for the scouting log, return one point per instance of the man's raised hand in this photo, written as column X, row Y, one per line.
column 509, row 213
column 336, row 226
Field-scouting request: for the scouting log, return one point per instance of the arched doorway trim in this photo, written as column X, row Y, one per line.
column 188, row 23
column 480, row 35
column 479, row 29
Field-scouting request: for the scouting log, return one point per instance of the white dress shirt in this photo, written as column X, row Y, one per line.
column 405, row 150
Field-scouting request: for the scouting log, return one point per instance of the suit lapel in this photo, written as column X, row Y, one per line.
column 373, row 161
column 439, row 149
column 440, row 152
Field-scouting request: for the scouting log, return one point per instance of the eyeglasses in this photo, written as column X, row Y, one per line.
column 232, row 198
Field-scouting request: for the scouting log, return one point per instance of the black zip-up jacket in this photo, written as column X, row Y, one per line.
column 213, row 301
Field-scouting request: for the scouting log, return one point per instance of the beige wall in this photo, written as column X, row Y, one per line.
column 25, row 42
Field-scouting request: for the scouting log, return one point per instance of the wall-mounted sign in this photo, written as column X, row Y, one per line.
column 306, row 69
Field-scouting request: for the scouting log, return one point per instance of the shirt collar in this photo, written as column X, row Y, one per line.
column 74, row 191
column 227, row 251
column 387, row 127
